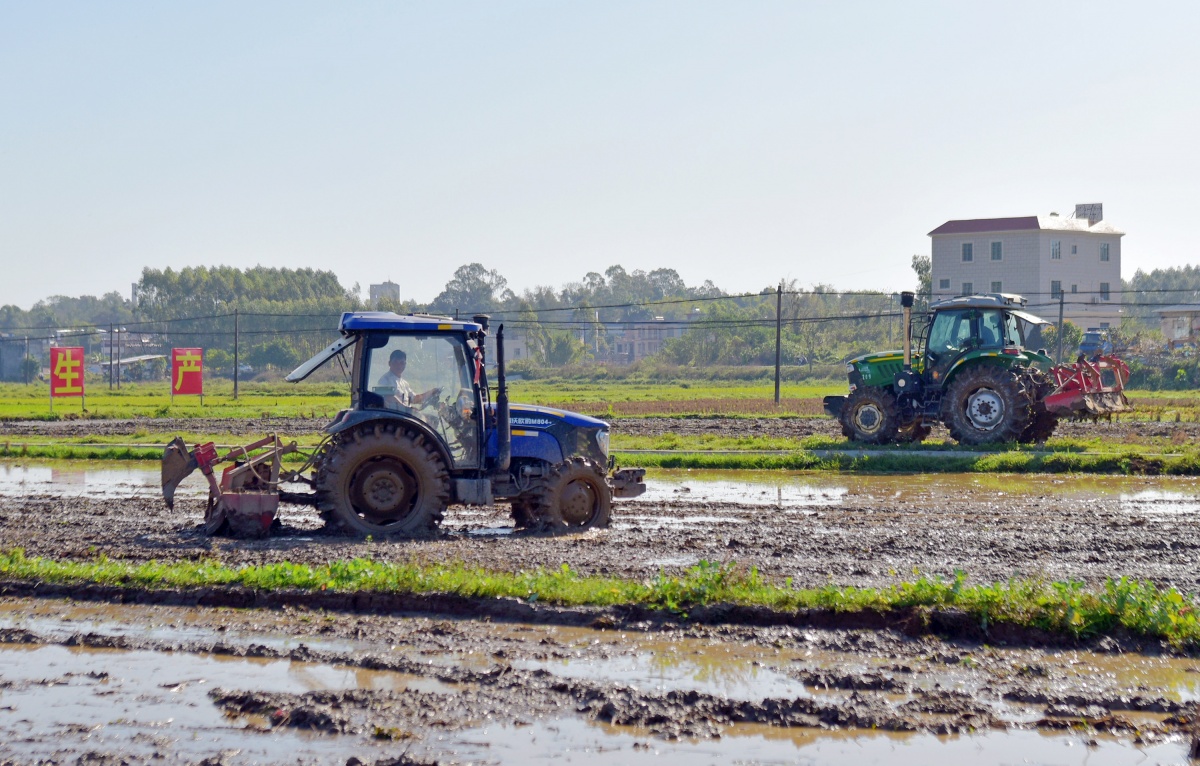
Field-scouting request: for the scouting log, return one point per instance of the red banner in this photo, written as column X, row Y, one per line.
column 187, row 371
column 66, row 372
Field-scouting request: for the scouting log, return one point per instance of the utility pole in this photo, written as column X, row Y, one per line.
column 1058, row 353
column 236, row 363
column 118, row 338
column 778, row 334
column 23, row 361
column 110, row 356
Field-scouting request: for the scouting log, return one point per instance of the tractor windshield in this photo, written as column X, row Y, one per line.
column 429, row 378
column 955, row 331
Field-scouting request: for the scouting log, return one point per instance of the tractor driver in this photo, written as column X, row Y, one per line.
column 393, row 383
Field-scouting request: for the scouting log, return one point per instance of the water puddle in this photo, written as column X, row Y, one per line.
column 577, row 742
column 141, row 702
column 788, row 491
column 134, row 701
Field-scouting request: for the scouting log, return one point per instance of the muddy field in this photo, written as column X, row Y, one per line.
column 99, row 683
column 429, row 681
column 850, row 530
column 797, row 428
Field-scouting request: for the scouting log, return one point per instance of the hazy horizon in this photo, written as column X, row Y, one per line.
column 739, row 144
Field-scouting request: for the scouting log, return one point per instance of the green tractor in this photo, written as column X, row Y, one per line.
column 971, row 371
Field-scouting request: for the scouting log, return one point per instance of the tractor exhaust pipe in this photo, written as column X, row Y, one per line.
column 503, row 426
column 906, row 301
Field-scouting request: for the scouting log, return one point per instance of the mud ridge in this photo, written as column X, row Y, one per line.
column 951, row 624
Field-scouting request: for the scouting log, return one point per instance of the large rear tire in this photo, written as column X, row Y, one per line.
column 383, row 481
column 572, row 497
column 869, row 415
column 987, row 404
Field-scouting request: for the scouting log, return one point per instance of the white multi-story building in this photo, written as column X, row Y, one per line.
column 1041, row 257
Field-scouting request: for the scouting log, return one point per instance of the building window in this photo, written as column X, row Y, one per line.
column 1104, row 294
column 1074, row 249
column 997, row 251
column 1104, row 325
column 968, row 252
column 1074, row 289
column 968, row 288
column 1056, row 289
column 943, row 284
column 997, row 287
column 1056, row 250
column 1103, row 251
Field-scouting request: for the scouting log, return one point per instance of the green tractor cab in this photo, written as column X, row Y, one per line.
column 968, row 364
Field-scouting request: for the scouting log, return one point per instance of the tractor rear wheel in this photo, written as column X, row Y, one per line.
column 869, row 415
column 572, row 497
column 382, row 481
column 987, row 404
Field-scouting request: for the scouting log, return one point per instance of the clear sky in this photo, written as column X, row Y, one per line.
column 741, row 142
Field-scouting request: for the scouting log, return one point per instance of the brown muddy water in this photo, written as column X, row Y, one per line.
column 101, row 683
column 90, row 682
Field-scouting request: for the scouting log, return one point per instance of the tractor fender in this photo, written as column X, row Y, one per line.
column 351, row 419
column 982, row 357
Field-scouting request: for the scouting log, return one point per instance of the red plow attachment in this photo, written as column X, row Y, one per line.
column 1089, row 388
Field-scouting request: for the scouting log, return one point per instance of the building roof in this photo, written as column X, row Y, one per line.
column 1182, row 308
column 1025, row 223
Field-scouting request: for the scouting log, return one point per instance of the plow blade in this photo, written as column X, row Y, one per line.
column 1089, row 388
column 245, row 497
column 178, row 462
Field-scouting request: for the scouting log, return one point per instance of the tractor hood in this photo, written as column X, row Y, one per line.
column 878, row 356
column 533, row 416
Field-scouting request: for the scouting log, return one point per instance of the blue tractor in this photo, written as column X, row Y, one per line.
column 421, row 433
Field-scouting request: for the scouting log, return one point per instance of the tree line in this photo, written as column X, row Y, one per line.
column 286, row 315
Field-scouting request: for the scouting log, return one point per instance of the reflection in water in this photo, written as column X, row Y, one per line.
column 785, row 490
column 134, row 702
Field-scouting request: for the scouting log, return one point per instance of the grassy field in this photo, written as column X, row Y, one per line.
column 1065, row 608
column 609, row 399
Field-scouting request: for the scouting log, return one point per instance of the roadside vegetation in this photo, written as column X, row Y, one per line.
column 1065, row 608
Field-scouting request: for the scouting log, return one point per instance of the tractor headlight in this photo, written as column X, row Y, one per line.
column 602, row 442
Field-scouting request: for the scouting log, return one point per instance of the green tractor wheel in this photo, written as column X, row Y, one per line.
column 987, row 404
column 869, row 415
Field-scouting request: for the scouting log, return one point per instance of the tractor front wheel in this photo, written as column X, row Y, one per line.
column 869, row 415
column 987, row 404
column 383, row 481
column 572, row 497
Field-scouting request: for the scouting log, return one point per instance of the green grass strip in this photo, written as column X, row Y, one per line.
column 1130, row 463
column 1065, row 608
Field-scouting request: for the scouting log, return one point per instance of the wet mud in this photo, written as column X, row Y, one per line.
column 246, row 685
column 814, row 529
column 374, row 679
column 1117, row 430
